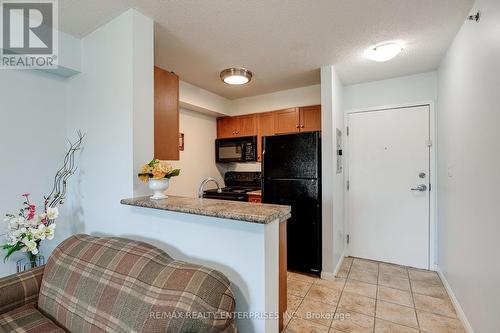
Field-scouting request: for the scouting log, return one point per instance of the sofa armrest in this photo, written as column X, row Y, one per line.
column 19, row 289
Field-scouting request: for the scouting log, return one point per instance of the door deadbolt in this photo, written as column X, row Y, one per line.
column 421, row 175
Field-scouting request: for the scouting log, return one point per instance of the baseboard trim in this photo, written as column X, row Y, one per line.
column 456, row 304
column 331, row 276
column 328, row 276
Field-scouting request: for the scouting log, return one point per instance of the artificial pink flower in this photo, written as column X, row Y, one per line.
column 31, row 214
column 26, row 195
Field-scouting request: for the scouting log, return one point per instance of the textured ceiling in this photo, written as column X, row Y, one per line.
column 284, row 42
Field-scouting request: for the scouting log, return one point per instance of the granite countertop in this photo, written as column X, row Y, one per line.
column 234, row 210
column 258, row 192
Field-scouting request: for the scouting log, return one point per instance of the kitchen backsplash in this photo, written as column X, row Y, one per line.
column 224, row 167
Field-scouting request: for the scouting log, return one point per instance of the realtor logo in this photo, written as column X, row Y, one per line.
column 29, row 35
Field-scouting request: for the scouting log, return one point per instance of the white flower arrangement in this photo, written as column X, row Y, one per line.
column 29, row 228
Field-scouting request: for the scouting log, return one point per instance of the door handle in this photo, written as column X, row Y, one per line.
column 421, row 188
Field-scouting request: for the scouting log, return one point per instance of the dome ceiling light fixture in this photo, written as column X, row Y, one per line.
column 384, row 51
column 236, row 75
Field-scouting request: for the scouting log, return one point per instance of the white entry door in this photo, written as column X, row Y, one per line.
column 389, row 164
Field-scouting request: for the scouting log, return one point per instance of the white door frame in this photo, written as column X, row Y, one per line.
column 433, row 224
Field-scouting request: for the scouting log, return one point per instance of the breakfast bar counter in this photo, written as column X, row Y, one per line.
column 233, row 210
column 243, row 240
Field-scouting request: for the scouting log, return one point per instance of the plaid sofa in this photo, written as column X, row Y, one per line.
column 93, row 284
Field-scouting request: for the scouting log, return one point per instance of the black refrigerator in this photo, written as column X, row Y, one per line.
column 291, row 167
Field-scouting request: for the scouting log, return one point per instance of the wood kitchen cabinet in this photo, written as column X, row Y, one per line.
column 265, row 127
column 166, row 115
column 247, row 125
column 310, row 118
column 226, row 127
column 287, row 121
column 229, row 127
column 255, row 196
column 293, row 120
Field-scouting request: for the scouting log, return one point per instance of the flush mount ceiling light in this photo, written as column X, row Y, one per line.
column 384, row 51
column 236, row 75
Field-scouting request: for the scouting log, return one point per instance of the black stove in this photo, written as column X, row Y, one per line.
column 238, row 184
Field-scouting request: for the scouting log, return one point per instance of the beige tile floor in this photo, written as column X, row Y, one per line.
column 370, row 297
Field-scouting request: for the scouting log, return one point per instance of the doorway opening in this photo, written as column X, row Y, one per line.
column 391, row 192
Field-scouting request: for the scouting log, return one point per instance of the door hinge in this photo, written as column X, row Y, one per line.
column 348, row 185
column 348, row 238
column 429, row 143
column 430, row 187
column 347, row 130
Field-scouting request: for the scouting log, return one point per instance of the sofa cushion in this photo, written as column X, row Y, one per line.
column 19, row 289
column 27, row 319
column 120, row 285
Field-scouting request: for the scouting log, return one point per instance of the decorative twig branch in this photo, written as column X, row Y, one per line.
column 67, row 170
column 28, row 229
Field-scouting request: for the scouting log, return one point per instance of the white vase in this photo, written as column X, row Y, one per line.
column 158, row 186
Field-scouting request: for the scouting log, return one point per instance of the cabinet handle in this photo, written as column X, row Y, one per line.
column 298, row 126
column 302, row 126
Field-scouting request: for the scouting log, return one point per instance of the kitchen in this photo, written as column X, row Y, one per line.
column 247, row 157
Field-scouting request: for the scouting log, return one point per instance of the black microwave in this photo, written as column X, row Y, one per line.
column 243, row 149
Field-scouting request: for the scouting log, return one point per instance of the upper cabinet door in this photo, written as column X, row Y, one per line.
column 247, row 125
column 310, row 118
column 265, row 127
column 166, row 115
column 287, row 121
column 227, row 127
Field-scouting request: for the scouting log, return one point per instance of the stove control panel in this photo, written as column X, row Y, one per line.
column 250, row 179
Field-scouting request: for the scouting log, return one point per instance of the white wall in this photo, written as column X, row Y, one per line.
column 103, row 103
column 32, row 142
column 69, row 56
column 310, row 95
column 197, row 99
column 469, row 164
column 197, row 161
column 240, row 167
column 70, row 52
column 400, row 90
column 143, row 96
column 332, row 117
column 339, row 240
